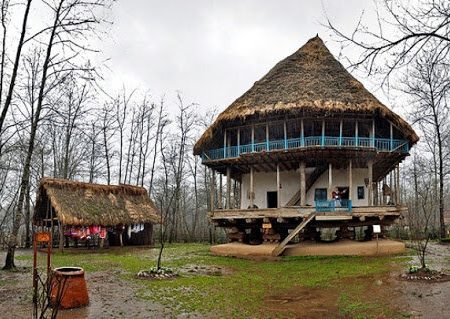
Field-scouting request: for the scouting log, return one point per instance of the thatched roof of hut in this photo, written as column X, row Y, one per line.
column 77, row 203
column 310, row 80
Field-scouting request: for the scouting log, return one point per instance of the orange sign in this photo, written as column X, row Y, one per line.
column 42, row 236
column 267, row 225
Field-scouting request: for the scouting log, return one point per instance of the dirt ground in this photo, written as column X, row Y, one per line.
column 113, row 297
column 110, row 297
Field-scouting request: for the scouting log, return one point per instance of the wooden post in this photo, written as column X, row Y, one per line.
column 302, row 133
column 383, row 196
column 251, row 188
column 302, row 184
column 228, row 202
column 285, row 135
column 212, row 189
column 340, row 132
column 323, row 133
column 253, row 137
column 375, row 193
column 373, row 133
column 219, row 193
column 350, row 180
column 398, row 202
column 225, row 144
column 391, row 143
column 239, row 141
column 61, row 236
column 370, row 186
column 278, row 186
column 356, row 133
column 330, row 180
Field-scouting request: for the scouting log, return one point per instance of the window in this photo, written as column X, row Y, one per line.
column 320, row 194
column 360, row 192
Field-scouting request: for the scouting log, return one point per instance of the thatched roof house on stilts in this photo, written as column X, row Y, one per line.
column 123, row 214
column 310, row 151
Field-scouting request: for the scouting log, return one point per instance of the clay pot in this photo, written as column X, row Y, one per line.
column 74, row 290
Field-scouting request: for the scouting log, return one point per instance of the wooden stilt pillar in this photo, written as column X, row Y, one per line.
column 252, row 194
column 302, row 184
column 219, row 193
column 228, row 202
column 370, row 186
column 212, row 189
column 330, row 180
column 350, row 180
column 278, row 186
column 397, row 188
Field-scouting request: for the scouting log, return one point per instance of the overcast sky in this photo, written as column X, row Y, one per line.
column 213, row 51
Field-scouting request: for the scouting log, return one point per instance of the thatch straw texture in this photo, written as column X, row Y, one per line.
column 309, row 81
column 83, row 204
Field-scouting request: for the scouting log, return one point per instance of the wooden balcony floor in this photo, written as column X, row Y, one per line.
column 294, row 212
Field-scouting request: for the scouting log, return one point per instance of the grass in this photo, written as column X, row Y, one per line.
column 240, row 293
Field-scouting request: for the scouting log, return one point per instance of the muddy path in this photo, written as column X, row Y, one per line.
column 110, row 297
column 429, row 300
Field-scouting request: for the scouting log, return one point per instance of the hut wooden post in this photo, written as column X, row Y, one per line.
column 228, row 202
column 61, row 237
column 356, row 133
column 278, row 186
column 302, row 184
column 350, row 180
column 219, row 193
column 267, row 136
column 285, row 135
column 340, row 132
column 370, row 186
column 330, row 180
column 251, row 188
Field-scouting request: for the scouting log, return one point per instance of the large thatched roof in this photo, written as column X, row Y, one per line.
column 76, row 203
column 310, row 80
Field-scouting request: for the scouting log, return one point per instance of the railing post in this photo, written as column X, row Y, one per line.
column 239, row 141
column 356, row 134
column 225, row 144
column 267, row 136
column 253, row 137
column 285, row 135
column 340, row 133
column 373, row 133
column 323, row 133
column 391, row 143
column 302, row 134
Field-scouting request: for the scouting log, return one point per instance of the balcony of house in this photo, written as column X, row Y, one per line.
column 301, row 134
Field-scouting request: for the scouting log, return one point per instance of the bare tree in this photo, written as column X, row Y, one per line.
column 428, row 86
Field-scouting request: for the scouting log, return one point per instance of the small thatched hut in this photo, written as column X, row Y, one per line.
column 61, row 204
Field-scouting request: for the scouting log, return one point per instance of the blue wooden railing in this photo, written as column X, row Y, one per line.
column 380, row 144
column 333, row 205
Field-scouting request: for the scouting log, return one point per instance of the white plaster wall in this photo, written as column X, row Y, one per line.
column 267, row 182
column 340, row 179
column 290, row 184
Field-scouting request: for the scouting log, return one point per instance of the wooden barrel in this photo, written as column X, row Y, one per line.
column 69, row 288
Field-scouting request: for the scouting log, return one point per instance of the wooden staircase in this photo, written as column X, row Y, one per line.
column 280, row 248
column 295, row 200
